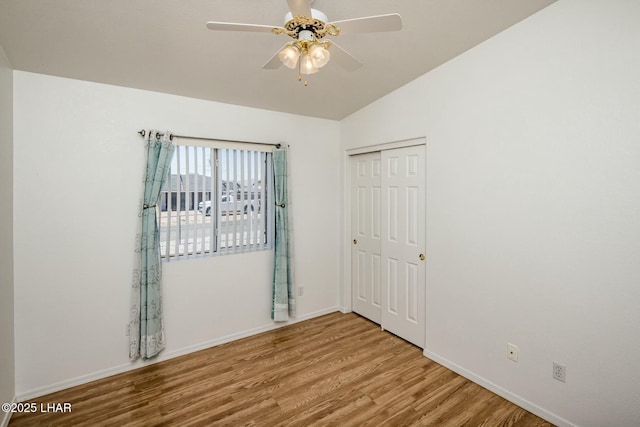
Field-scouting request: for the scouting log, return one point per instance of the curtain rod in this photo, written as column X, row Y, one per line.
column 144, row 132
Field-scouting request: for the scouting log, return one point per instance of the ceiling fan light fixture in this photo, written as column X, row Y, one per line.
column 308, row 27
column 289, row 56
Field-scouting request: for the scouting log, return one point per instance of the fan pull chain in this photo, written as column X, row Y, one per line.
column 300, row 74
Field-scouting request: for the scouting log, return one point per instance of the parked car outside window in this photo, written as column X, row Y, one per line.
column 228, row 205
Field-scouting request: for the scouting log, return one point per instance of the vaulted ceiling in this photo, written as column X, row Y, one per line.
column 164, row 46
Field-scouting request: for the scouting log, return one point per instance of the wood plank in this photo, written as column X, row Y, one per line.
column 338, row 369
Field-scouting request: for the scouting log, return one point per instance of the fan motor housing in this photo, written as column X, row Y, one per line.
column 302, row 25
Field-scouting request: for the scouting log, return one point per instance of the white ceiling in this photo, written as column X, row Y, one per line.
column 164, row 46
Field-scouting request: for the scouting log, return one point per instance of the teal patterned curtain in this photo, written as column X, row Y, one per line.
column 146, row 328
column 283, row 302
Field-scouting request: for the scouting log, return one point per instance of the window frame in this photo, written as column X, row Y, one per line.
column 251, row 177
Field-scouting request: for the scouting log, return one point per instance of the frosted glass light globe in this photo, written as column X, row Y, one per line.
column 319, row 55
column 306, row 65
column 289, row 56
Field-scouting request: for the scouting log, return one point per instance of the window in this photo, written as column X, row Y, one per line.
column 216, row 201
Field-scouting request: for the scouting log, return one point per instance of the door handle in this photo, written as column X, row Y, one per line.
column 355, row 242
column 421, row 256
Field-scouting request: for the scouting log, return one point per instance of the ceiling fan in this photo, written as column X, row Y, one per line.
column 309, row 50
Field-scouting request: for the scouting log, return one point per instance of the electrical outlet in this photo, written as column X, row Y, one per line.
column 300, row 291
column 512, row 352
column 559, row 372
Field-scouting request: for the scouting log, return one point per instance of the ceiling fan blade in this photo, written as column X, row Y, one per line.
column 274, row 62
column 300, row 7
column 370, row 24
column 231, row 26
column 344, row 58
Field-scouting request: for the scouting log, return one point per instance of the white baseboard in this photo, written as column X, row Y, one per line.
column 104, row 373
column 534, row 409
column 6, row 416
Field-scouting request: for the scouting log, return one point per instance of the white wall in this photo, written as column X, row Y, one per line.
column 78, row 166
column 533, row 203
column 7, row 371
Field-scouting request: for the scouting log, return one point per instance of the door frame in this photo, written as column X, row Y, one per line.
column 345, row 301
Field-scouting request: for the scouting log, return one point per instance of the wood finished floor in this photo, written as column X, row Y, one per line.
column 338, row 369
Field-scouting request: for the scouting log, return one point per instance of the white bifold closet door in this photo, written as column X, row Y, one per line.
column 403, row 243
column 388, row 224
column 366, row 267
